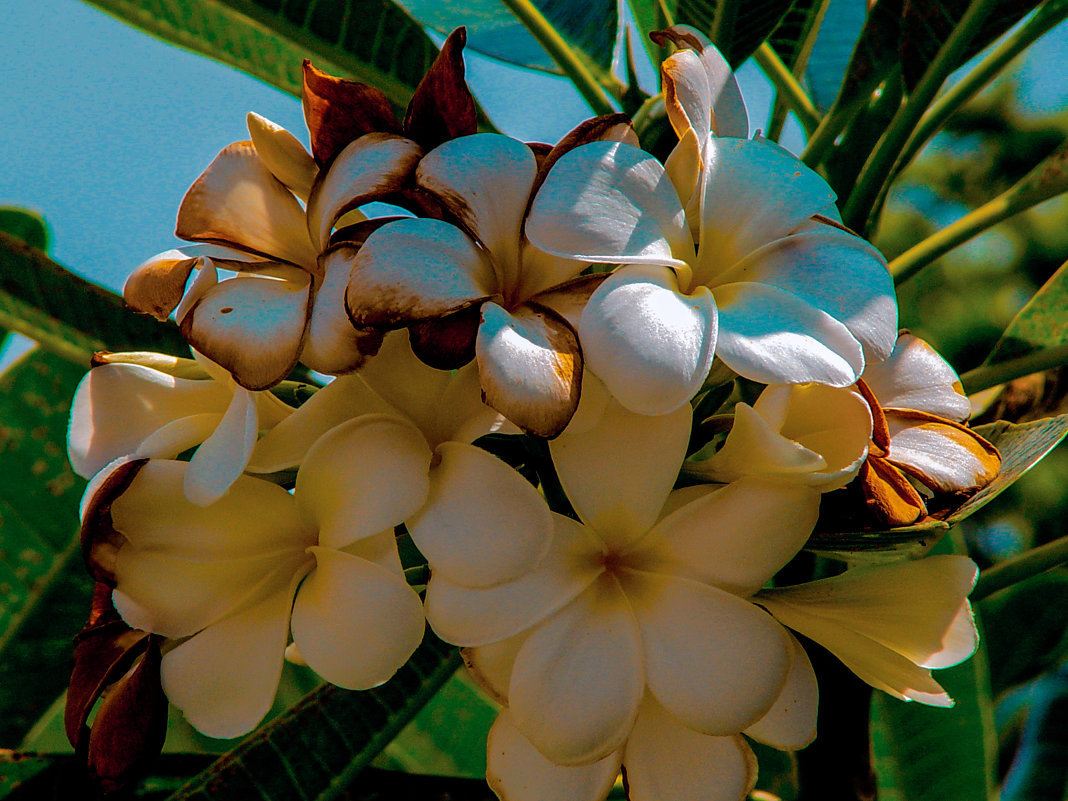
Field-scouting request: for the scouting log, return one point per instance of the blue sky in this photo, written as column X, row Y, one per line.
column 103, row 128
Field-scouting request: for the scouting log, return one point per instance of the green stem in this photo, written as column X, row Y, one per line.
column 418, row 575
column 1046, row 17
column 645, row 114
column 1028, row 564
column 881, row 162
column 563, row 54
column 990, row 375
column 788, row 87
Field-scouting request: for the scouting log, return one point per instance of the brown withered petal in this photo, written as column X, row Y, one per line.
column 103, row 650
column 100, row 541
column 338, row 111
column 890, row 499
column 442, row 107
column 130, row 727
column 448, row 342
column 941, row 454
column 606, row 128
column 530, row 367
column 880, row 435
column 252, row 327
column 156, row 287
column 679, row 36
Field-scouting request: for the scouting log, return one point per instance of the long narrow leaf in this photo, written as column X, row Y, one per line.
column 1039, row 325
column 737, row 27
column 316, row 750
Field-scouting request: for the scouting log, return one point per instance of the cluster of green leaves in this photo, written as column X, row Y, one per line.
column 865, row 89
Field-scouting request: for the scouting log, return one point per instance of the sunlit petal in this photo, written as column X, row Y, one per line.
column 332, row 345
column 945, row 456
column 282, row 154
column 916, row 377
column 790, row 724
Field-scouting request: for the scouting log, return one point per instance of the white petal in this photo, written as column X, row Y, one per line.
column 117, row 406
column 368, row 168
column 480, row 616
column 282, row 154
column 650, row 343
column 607, row 201
column 491, row 665
column 224, row 679
column 618, row 472
column 715, row 661
column 754, row 192
column 362, row 477
column 945, row 456
column 482, row 523
column 835, row 272
column 238, row 202
column 485, row 181
column 688, row 97
column 355, row 622
column 541, row 270
column 790, row 724
column 332, row 345
column 771, row 336
column 736, row 538
column 252, row 326
column 916, row 377
column 460, row 414
column 223, row 456
column 530, row 367
column 578, row 679
column 665, row 760
column 517, row 771
column 414, row 389
column 173, row 439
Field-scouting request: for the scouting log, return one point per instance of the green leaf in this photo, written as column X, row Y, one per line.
column 875, row 52
column 736, row 27
column 69, row 315
column 448, row 736
column 801, row 23
column 44, row 589
column 588, row 27
column 649, row 16
column 372, row 41
column 831, row 53
column 1040, row 324
column 29, row 226
column 318, row 748
column 1021, row 446
column 16, row 770
column 923, row 753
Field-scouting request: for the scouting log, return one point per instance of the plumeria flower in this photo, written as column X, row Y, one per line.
column 777, row 296
column 920, row 409
column 151, row 405
column 289, row 306
column 227, row 583
column 648, row 593
column 478, row 289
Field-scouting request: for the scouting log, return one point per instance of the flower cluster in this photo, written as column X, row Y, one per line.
column 617, row 595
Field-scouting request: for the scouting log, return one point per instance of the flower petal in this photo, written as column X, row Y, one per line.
column 916, row 377
column 715, row 661
column 946, row 456
column 485, row 181
column 224, row 679
column 222, row 456
column 333, row 345
column 117, row 406
column 665, row 759
column 578, row 679
column 338, row 111
column 482, row 523
column 363, row 476
column 415, row 269
column 442, row 107
column 251, row 326
column 517, row 771
column 771, row 336
column 917, row 609
column 790, row 724
column 607, row 201
column 835, row 272
column 370, row 168
column 239, row 203
column 355, row 622
column 618, row 472
column 156, row 287
column 650, row 343
column 735, row 538
column 530, row 367
column 490, row 665
column 282, row 154
column 754, row 193
column 476, row 616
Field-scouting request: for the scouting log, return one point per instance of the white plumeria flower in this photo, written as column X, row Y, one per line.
column 779, row 297
column 507, row 304
column 809, row 434
column 920, row 408
column 648, row 593
column 126, row 407
column 229, row 581
column 287, row 307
